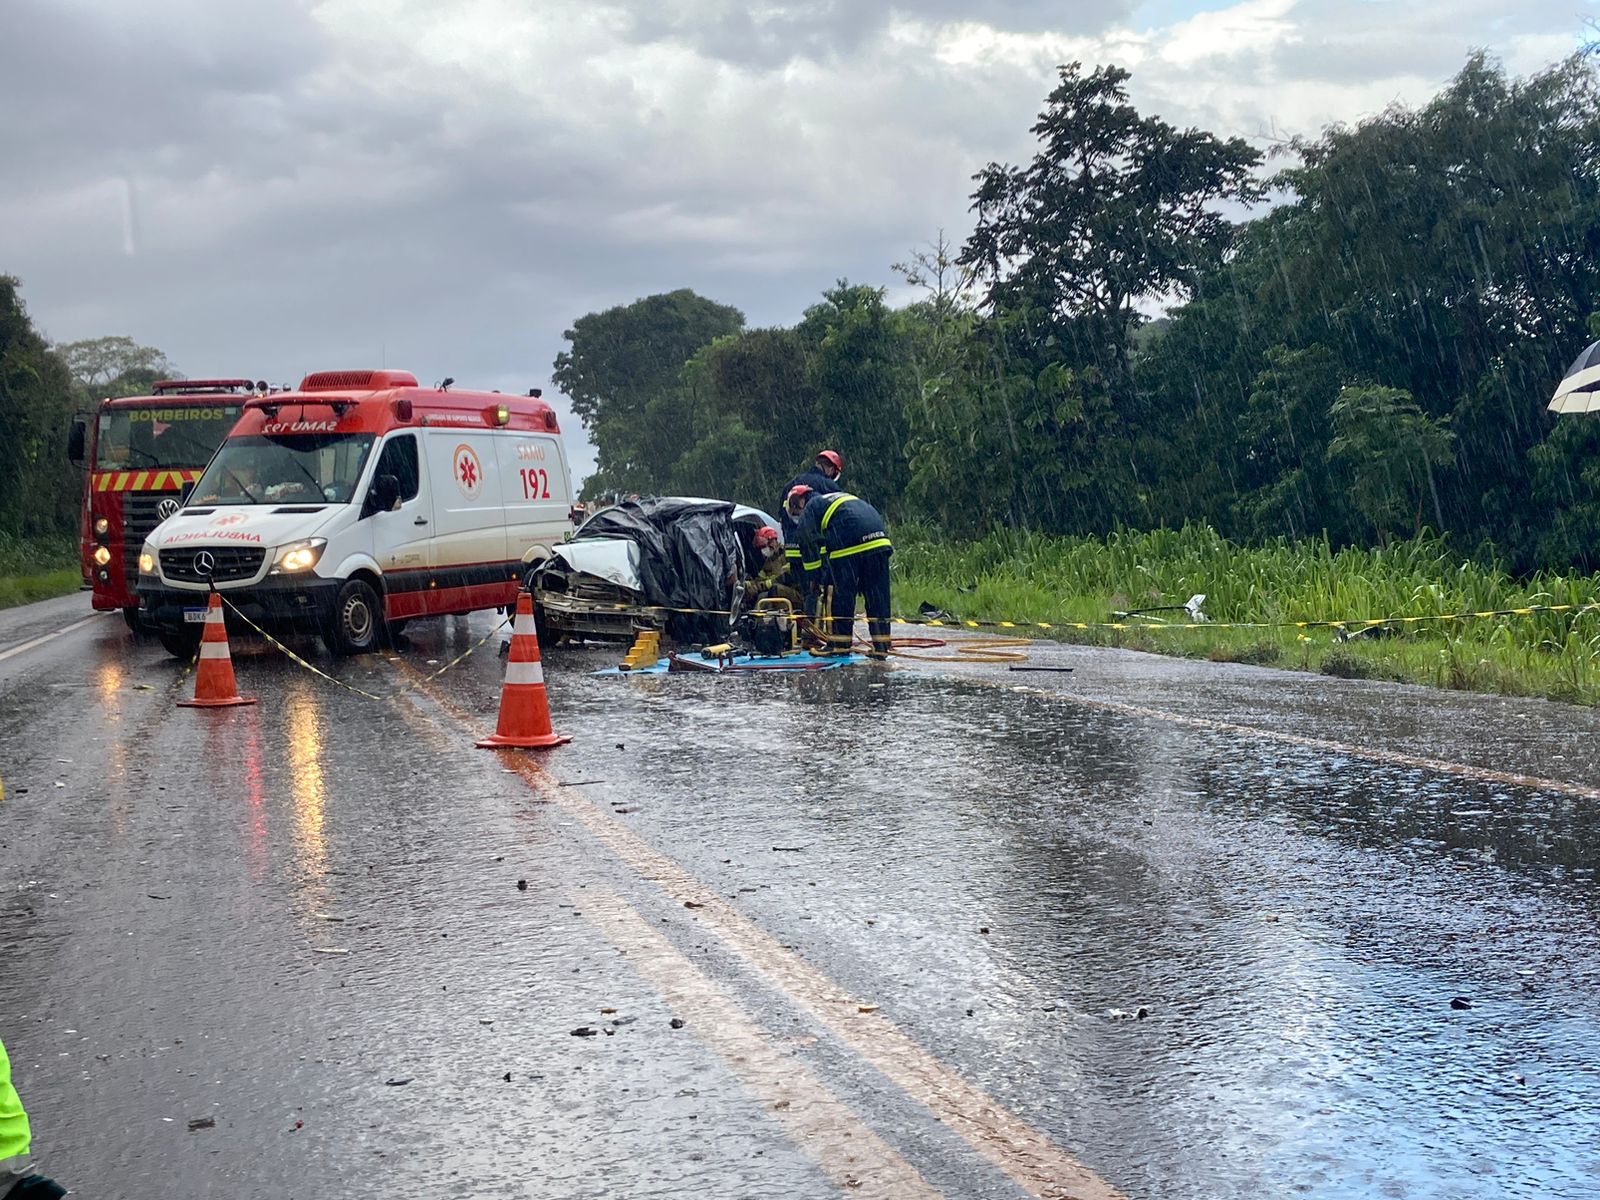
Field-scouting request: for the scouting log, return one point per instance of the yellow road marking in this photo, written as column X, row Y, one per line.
column 847, row 1151
column 1026, row 1156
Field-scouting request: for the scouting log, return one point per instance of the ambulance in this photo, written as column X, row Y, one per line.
column 357, row 502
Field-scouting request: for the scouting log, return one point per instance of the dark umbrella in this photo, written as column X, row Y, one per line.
column 1579, row 390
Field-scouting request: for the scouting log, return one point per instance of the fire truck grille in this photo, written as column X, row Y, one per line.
column 229, row 563
column 139, row 517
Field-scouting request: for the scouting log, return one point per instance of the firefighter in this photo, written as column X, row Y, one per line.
column 823, row 478
column 843, row 545
column 16, row 1181
column 769, row 578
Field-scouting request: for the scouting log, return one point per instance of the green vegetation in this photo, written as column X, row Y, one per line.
column 41, row 493
column 1012, row 576
column 37, row 569
column 1358, row 345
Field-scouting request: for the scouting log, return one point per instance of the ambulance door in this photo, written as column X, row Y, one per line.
column 402, row 537
column 469, row 549
column 538, row 500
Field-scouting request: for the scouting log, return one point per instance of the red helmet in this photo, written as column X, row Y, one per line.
column 799, row 492
column 766, row 536
column 831, row 457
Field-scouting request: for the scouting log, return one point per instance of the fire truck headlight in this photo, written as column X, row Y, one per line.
column 147, row 563
column 299, row 556
column 102, row 555
column 102, row 526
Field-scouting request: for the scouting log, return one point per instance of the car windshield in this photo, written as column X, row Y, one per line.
column 296, row 468
column 162, row 435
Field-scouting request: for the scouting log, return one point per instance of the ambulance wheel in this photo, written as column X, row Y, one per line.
column 180, row 643
column 356, row 620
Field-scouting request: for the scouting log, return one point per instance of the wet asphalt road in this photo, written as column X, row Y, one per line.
column 302, row 922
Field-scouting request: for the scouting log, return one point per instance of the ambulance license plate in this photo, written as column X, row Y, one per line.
column 194, row 616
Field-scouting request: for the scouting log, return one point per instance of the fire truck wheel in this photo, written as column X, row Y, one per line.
column 356, row 620
column 130, row 617
column 181, row 643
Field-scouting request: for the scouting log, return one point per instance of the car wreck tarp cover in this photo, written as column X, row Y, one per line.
column 688, row 557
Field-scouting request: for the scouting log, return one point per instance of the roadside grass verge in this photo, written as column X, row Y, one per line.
column 1033, row 578
column 36, row 569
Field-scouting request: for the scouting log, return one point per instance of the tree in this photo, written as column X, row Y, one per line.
column 1114, row 209
column 622, row 374
column 114, row 366
column 40, row 492
column 858, row 372
column 1388, row 451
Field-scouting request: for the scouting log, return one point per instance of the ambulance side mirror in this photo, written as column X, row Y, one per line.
column 77, row 442
column 382, row 496
column 188, row 490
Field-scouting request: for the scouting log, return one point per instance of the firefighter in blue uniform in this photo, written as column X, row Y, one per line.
column 822, row 478
column 843, row 545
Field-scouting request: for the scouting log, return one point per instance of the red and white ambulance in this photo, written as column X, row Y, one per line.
column 358, row 502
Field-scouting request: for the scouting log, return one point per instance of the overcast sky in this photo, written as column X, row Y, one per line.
column 270, row 187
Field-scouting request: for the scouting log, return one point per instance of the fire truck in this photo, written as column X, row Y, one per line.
column 142, row 453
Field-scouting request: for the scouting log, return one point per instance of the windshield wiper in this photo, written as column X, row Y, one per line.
column 254, row 499
column 152, row 459
column 310, row 478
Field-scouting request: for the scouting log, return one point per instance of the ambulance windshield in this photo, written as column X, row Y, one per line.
column 294, row 468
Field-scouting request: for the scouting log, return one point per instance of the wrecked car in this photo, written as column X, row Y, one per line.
column 674, row 563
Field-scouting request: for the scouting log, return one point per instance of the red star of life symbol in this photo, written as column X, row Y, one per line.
column 469, row 472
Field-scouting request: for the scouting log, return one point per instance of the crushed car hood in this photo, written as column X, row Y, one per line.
column 615, row 560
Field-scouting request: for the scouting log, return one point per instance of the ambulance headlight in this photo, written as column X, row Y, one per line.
column 298, row 556
column 102, row 555
column 147, row 562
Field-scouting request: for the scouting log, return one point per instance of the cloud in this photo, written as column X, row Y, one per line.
column 269, row 188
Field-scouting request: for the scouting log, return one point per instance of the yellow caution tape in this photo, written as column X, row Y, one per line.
column 350, row 687
column 1347, row 623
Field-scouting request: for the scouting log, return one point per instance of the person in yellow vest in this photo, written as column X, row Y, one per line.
column 17, row 1180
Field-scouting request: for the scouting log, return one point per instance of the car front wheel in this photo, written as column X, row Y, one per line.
column 356, row 620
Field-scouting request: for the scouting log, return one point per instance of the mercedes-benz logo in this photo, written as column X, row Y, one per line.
column 166, row 508
column 204, row 564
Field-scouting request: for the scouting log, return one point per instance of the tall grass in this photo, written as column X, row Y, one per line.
column 1020, row 576
column 36, row 569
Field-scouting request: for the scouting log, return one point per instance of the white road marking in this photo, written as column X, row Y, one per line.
column 23, row 647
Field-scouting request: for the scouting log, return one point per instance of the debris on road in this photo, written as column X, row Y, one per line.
column 522, row 885
column 584, row 1031
column 394, row 1083
column 1460, row 1002
column 677, row 1022
column 199, row 1123
column 329, row 950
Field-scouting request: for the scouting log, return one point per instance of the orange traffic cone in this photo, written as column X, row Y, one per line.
column 524, row 710
column 213, row 676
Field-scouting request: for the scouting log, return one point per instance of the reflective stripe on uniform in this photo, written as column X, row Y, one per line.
column 812, row 566
column 828, row 516
column 529, row 672
column 791, row 551
column 877, row 543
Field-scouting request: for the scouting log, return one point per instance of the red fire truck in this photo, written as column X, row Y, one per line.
column 142, row 452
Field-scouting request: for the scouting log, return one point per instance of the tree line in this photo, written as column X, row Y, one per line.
column 1357, row 338
column 41, row 388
